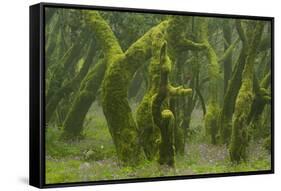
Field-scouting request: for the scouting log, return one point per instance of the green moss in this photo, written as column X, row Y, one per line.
column 162, row 115
column 230, row 97
column 148, row 128
column 144, row 48
column 179, row 91
column 213, row 65
column 211, row 121
column 104, row 35
column 167, row 148
column 70, row 58
column 267, row 143
column 115, row 103
column 239, row 137
column 118, row 113
column 167, row 114
column 73, row 125
column 148, row 132
column 212, row 114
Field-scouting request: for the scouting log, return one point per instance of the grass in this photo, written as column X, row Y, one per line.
column 94, row 157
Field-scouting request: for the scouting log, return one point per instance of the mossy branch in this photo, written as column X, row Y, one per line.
column 213, row 65
column 104, row 35
column 179, row 91
column 187, row 44
column 266, row 80
column 243, row 104
column 265, row 43
column 240, row 30
column 229, row 51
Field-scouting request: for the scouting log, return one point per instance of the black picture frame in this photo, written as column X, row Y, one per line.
column 37, row 95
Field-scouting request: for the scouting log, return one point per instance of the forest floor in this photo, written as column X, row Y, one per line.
column 67, row 162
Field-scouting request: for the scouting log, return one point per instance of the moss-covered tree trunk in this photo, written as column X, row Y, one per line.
column 162, row 115
column 262, row 93
column 115, row 99
column 72, row 85
column 121, row 69
column 167, row 147
column 262, row 97
column 148, row 132
column 234, row 84
column 118, row 113
column 227, row 65
column 73, row 124
column 239, row 135
column 211, row 116
column 193, row 77
column 167, row 30
column 70, row 58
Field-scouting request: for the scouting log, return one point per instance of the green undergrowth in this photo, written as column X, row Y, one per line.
column 96, row 138
column 73, row 170
column 94, row 157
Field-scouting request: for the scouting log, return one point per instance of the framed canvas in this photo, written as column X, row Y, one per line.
column 127, row 95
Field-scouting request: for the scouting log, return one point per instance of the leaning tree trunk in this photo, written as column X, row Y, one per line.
column 227, row 33
column 211, row 117
column 239, row 135
column 72, row 85
column 115, row 99
column 73, row 124
column 234, row 84
column 229, row 99
column 115, row 87
column 120, row 71
column 70, row 58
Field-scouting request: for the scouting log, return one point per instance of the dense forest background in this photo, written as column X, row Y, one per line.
column 132, row 95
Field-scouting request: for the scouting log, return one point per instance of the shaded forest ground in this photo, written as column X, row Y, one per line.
column 94, row 157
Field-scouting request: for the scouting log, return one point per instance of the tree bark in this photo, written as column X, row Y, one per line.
column 164, row 118
column 211, row 117
column 168, row 30
column 227, row 33
column 239, row 136
column 233, row 87
column 72, row 85
column 73, row 124
column 69, row 59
